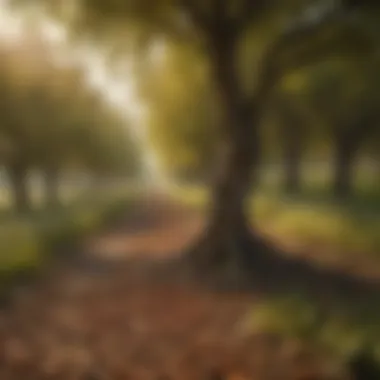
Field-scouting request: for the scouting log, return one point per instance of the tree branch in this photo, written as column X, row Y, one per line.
column 310, row 22
column 197, row 16
column 250, row 11
column 219, row 8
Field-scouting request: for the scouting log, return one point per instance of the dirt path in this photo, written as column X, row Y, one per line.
column 109, row 316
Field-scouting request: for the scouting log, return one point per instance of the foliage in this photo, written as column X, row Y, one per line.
column 182, row 113
column 54, row 121
column 304, row 41
column 27, row 243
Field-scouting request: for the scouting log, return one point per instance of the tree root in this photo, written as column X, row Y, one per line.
column 227, row 259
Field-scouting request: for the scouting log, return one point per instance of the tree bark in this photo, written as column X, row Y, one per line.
column 228, row 235
column 227, row 242
column 17, row 173
column 345, row 154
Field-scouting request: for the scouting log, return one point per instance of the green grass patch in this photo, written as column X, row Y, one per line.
column 29, row 241
column 340, row 331
column 19, row 246
column 311, row 218
column 327, row 224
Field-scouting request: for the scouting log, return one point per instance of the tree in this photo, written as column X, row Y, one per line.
column 15, row 135
column 347, row 95
column 37, row 97
column 110, row 151
column 292, row 128
column 60, row 89
column 220, row 26
column 51, row 118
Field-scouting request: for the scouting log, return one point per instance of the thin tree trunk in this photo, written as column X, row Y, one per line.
column 292, row 159
column 17, row 173
column 345, row 154
column 51, row 180
column 291, row 133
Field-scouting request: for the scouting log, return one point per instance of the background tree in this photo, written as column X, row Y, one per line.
column 293, row 128
column 347, row 95
column 110, row 151
column 19, row 138
column 52, row 119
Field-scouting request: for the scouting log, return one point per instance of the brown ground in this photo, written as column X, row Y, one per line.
column 117, row 312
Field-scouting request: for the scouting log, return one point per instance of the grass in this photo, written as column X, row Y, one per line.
column 28, row 241
column 311, row 218
column 340, row 331
column 328, row 225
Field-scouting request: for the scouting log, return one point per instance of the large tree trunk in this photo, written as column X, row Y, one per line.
column 227, row 242
column 17, row 173
column 228, row 236
column 51, row 184
column 346, row 149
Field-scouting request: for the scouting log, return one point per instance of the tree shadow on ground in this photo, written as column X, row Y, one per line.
column 364, row 202
column 275, row 272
